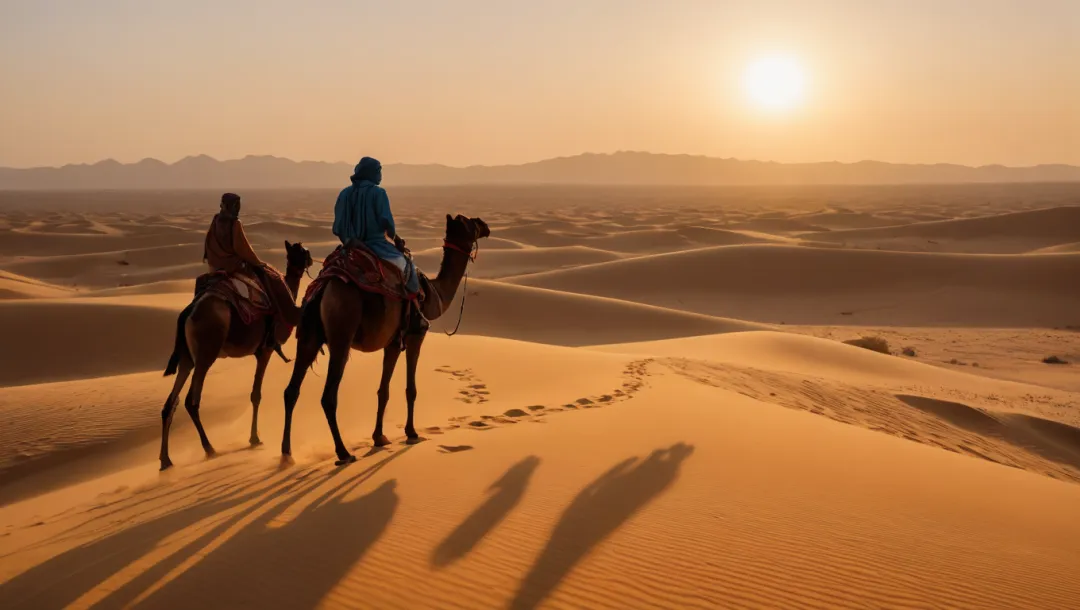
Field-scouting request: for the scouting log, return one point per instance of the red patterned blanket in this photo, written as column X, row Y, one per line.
column 242, row 291
column 362, row 268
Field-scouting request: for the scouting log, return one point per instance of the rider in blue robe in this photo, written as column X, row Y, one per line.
column 362, row 214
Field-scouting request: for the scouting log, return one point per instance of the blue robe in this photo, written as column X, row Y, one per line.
column 362, row 213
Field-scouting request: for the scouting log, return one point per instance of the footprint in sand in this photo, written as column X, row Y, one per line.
column 474, row 392
column 454, row 448
column 516, row 413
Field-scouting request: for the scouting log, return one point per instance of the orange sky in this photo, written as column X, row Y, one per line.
column 471, row 81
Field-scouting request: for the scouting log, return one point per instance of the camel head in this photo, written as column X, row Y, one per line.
column 464, row 232
column 297, row 256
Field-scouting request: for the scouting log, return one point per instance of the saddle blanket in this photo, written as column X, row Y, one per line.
column 360, row 267
column 243, row 292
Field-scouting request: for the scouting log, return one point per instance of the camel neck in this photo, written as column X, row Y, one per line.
column 452, row 269
column 292, row 280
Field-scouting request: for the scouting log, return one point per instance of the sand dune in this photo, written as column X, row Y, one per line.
column 14, row 286
column 28, row 244
column 52, row 340
column 502, row 263
column 863, row 388
column 270, row 231
column 787, row 506
column 840, row 219
column 1014, row 354
column 186, row 287
column 638, row 241
column 1003, row 233
column 111, row 269
column 528, row 314
column 1059, row 249
column 776, row 225
column 612, row 427
column 759, row 282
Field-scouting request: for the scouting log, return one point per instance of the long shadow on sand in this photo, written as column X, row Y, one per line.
column 600, row 509
column 508, row 492
column 251, row 566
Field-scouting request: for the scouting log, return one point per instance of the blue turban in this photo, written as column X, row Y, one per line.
column 368, row 169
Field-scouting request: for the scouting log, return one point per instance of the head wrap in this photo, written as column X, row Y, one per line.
column 230, row 205
column 368, row 169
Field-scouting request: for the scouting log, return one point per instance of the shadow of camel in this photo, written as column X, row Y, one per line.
column 600, row 509
column 508, row 492
column 63, row 579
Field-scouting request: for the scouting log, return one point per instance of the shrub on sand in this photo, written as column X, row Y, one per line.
column 1054, row 360
column 874, row 344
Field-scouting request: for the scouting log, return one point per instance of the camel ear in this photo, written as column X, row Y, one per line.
column 288, row 246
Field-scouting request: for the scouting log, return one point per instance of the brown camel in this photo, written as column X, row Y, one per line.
column 209, row 329
column 344, row 317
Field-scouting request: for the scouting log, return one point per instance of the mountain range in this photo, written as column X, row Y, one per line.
column 621, row 168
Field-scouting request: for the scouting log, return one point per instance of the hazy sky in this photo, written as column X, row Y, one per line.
column 508, row 81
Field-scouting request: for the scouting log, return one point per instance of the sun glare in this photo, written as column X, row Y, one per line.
column 775, row 83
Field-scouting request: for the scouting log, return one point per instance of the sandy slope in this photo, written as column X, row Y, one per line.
column 1014, row 354
column 610, row 428
column 759, row 282
column 14, row 286
column 548, row 316
column 1004, row 233
column 502, row 263
column 58, row 339
column 788, row 508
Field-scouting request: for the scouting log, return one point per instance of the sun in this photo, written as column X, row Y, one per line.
column 775, row 83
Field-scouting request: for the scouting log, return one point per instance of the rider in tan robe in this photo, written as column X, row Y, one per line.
column 227, row 249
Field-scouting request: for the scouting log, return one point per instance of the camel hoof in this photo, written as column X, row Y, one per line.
column 255, row 442
column 349, row 459
column 381, row 440
column 210, row 453
column 286, row 461
column 165, row 465
column 411, row 434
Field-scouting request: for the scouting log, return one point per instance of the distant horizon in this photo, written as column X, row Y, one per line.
column 623, row 167
column 587, row 153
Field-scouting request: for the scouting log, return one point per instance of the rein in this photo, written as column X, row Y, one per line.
column 465, row 288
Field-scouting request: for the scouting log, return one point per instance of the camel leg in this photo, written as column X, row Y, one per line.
column 390, row 358
column 413, row 343
column 194, row 396
column 262, row 358
column 206, row 347
column 339, row 356
column 182, row 373
column 306, row 351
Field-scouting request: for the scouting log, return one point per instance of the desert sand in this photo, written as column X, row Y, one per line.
column 650, row 404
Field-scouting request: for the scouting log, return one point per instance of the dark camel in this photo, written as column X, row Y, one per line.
column 209, row 330
column 344, row 317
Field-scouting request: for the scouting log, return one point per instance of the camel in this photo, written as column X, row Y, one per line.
column 209, row 329
column 345, row 317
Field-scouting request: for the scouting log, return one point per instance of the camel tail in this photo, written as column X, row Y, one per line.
column 180, row 348
column 311, row 324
